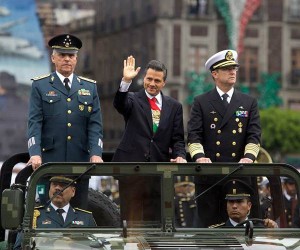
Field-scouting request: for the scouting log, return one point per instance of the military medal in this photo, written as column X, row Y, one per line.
column 89, row 109
column 81, row 107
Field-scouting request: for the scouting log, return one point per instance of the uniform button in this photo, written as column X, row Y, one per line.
column 218, row 154
column 68, row 99
column 233, row 143
column 215, row 119
column 181, row 210
column 69, row 137
column 69, row 111
column 151, row 140
column 237, row 119
column 51, row 101
column 233, row 154
column 219, row 131
column 44, row 150
column 69, row 124
column 218, row 143
column 85, row 103
column 234, row 131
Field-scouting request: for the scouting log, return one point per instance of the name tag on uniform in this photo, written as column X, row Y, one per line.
column 77, row 222
column 241, row 113
column 46, row 222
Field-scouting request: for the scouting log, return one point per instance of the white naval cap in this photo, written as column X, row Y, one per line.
column 222, row 59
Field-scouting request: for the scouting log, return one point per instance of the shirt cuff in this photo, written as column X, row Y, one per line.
column 124, row 86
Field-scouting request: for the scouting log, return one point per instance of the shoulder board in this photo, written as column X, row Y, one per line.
column 87, row 79
column 39, row 77
column 217, row 225
column 82, row 210
column 39, row 207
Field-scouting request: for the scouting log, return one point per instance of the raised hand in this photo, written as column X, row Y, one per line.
column 129, row 71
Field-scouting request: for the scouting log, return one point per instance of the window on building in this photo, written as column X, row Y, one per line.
column 248, row 72
column 197, row 7
column 197, row 57
column 295, row 70
column 294, row 9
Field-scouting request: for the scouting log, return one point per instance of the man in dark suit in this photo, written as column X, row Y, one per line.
column 59, row 213
column 224, row 123
column 64, row 123
column 153, row 133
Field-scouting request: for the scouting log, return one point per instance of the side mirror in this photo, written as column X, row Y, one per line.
column 12, row 208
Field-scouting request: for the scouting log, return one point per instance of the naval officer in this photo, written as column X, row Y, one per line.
column 224, row 125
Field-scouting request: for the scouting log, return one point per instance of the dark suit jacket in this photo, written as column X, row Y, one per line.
column 224, row 133
column 139, row 143
column 64, row 126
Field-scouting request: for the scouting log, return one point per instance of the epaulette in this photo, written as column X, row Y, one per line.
column 39, row 77
column 87, row 79
column 217, row 225
column 82, row 210
column 42, row 206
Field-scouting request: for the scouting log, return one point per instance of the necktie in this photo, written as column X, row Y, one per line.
column 224, row 100
column 155, row 113
column 60, row 211
column 66, row 81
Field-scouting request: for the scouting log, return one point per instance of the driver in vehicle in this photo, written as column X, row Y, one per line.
column 238, row 203
column 59, row 213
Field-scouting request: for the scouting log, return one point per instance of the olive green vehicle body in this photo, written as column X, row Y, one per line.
column 163, row 235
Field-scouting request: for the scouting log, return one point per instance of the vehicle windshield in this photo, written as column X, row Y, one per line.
column 178, row 200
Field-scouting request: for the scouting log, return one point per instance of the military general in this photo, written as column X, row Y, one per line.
column 224, row 124
column 64, row 123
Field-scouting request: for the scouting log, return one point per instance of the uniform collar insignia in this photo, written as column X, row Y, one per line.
column 52, row 78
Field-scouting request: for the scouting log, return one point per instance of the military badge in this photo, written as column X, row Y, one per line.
column 241, row 113
column 46, row 222
column 36, row 214
column 240, row 124
column 90, row 109
column 84, row 92
column 77, row 222
column 81, row 107
column 51, row 93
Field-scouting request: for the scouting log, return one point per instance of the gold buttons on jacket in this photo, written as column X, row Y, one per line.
column 234, row 131
column 219, row 131
column 69, row 124
column 69, row 111
column 218, row 154
column 69, row 137
column 43, row 149
column 68, row 99
column 218, row 143
column 51, row 101
column 233, row 143
column 233, row 154
column 215, row 119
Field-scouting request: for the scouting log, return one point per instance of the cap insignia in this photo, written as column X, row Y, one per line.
column 229, row 56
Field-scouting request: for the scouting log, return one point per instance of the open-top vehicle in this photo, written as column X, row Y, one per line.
column 114, row 232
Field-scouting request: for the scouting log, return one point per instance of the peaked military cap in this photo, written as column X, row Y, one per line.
column 237, row 190
column 222, row 59
column 65, row 43
column 62, row 179
column 288, row 180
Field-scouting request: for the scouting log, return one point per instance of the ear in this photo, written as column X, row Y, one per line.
column 52, row 58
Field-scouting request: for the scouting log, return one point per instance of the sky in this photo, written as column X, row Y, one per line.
column 22, row 49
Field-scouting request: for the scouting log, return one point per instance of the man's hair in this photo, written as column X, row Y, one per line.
column 157, row 66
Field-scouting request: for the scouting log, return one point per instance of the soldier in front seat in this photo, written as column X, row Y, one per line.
column 59, row 213
column 238, row 203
